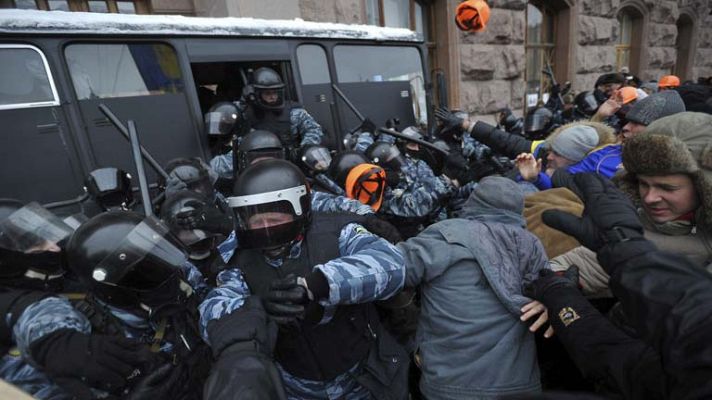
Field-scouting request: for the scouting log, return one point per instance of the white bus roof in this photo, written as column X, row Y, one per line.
column 78, row 23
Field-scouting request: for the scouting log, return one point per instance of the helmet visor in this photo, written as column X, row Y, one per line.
column 32, row 228
column 143, row 260
column 317, row 158
column 221, row 121
column 270, row 219
column 270, row 97
column 535, row 122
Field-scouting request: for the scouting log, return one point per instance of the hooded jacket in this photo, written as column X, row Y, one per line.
column 471, row 342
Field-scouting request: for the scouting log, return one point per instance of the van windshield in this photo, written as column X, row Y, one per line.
column 123, row 70
column 356, row 63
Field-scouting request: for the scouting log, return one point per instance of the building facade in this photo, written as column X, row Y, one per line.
column 502, row 66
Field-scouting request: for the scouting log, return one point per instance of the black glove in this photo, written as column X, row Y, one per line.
column 205, row 217
column 105, row 361
column 158, row 384
column 450, row 121
column 382, row 228
column 285, row 300
column 608, row 217
column 550, row 280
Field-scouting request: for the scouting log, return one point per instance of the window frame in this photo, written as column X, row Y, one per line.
column 546, row 50
column 52, row 85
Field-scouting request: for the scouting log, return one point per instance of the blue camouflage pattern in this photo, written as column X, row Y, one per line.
column 418, row 194
column 370, row 268
column 302, row 125
column 54, row 313
column 472, row 149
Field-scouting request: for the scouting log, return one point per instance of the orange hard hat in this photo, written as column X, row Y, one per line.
column 366, row 183
column 472, row 15
column 626, row 95
column 669, row 81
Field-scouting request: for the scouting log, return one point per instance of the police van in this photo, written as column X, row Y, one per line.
column 164, row 73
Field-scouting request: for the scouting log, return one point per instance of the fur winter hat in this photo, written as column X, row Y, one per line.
column 677, row 144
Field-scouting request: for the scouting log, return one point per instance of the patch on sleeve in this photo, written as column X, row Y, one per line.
column 361, row 230
column 568, row 315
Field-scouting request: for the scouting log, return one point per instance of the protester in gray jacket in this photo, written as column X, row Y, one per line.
column 472, row 343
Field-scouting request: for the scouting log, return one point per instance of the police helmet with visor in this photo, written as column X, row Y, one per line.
column 271, row 205
column 269, row 89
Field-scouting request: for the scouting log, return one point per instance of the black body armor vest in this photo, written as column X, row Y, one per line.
column 309, row 351
column 275, row 121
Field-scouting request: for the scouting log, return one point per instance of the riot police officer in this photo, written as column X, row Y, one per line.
column 299, row 268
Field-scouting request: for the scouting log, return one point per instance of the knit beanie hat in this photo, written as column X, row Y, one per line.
column 677, row 144
column 612, row 77
column 650, row 85
column 499, row 193
column 575, row 142
column 656, row 106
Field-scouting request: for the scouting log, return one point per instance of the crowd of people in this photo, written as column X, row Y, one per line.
column 566, row 254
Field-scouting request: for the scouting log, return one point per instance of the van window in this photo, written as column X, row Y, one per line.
column 25, row 79
column 312, row 64
column 356, row 63
column 123, row 70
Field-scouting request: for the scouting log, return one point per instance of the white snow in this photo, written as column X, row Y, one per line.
column 30, row 21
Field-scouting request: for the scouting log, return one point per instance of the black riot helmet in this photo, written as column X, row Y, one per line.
column 386, row 155
column 128, row 261
column 452, row 135
column 436, row 159
column 31, row 238
column 110, row 188
column 271, row 204
column 586, row 103
column 342, row 165
column 222, row 119
column 191, row 171
column 259, row 144
column 537, row 123
column 266, row 82
column 199, row 243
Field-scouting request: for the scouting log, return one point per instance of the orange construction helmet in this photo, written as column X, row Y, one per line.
column 366, row 183
column 472, row 15
column 669, row 81
column 626, row 95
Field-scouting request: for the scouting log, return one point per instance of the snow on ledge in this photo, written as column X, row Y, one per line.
column 30, row 21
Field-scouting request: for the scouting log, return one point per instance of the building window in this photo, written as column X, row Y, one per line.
column 630, row 37
column 684, row 44
column 105, row 6
column 409, row 14
column 540, row 46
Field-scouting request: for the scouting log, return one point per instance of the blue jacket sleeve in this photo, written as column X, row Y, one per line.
column 222, row 165
column 329, row 203
column 306, row 127
column 44, row 317
column 370, row 268
column 229, row 295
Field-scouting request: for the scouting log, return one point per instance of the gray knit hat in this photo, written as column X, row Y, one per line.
column 575, row 142
column 656, row 106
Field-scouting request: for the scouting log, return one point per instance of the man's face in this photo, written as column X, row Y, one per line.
column 269, row 219
column 555, row 161
column 667, row 197
column 631, row 129
column 269, row 96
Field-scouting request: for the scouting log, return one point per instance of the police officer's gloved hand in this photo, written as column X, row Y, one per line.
column 206, row 217
column 100, row 359
column 288, row 298
column 158, row 384
column 450, row 121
